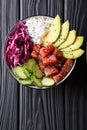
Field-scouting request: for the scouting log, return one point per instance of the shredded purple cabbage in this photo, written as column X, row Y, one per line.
column 18, row 47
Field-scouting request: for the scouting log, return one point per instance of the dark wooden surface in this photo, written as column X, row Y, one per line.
column 60, row 108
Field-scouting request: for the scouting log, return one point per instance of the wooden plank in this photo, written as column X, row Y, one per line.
column 41, row 7
column 75, row 90
column 9, row 14
column 41, row 109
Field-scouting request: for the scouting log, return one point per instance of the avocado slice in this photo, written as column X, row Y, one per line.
column 54, row 31
column 70, row 39
column 73, row 54
column 77, row 44
column 63, row 34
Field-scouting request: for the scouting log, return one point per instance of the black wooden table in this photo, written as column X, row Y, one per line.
column 60, row 108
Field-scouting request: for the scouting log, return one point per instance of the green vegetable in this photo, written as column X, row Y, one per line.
column 20, row 72
column 25, row 82
column 47, row 81
column 37, row 71
column 36, row 81
column 31, row 62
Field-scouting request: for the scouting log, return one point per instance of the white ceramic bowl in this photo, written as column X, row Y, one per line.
column 32, row 86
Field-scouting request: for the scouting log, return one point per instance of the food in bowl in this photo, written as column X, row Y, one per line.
column 18, row 46
column 41, row 51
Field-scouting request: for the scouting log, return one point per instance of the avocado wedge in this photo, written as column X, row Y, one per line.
column 77, row 44
column 63, row 34
column 54, row 31
column 70, row 40
column 73, row 54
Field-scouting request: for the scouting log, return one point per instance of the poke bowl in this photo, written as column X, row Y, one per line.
column 41, row 51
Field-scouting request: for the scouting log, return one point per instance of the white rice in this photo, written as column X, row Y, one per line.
column 38, row 27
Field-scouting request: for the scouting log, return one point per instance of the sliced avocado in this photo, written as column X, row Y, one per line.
column 54, row 31
column 70, row 39
column 73, row 54
column 63, row 34
column 77, row 44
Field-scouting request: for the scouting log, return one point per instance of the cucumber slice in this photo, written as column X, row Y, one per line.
column 30, row 64
column 19, row 72
column 25, row 82
column 37, row 71
column 36, row 81
column 47, row 82
column 26, row 72
column 25, row 66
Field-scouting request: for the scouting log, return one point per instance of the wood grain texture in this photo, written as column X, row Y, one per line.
column 60, row 108
column 8, row 86
column 41, row 7
column 75, row 88
column 41, row 109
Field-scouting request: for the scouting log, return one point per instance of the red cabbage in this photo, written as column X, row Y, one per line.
column 19, row 46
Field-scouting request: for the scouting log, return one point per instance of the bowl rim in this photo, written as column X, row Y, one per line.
column 33, row 86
